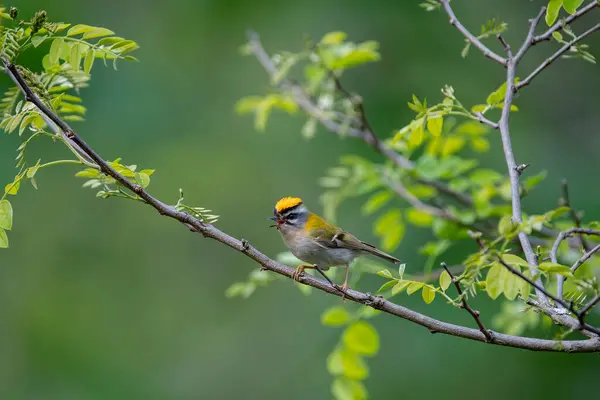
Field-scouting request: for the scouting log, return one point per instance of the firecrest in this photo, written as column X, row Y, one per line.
column 312, row 239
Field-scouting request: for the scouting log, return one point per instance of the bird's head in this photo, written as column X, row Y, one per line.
column 289, row 212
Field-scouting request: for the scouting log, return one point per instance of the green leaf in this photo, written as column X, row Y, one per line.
column 385, row 273
column 387, row 285
column 79, row 29
column 142, row 179
column 506, row 226
column 484, row 177
column 494, row 284
column 445, row 280
column 571, row 6
column 400, row 286
column 361, row 338
column 376, row 201
column 353, row 365
column 6, row 215
column 3, row 239
column 352, row 56
column 557, row 212
column 347, row 389
column 513, row 260
column 335, row 316
column 418, row 217
column 38, row 39
column 557, row 35
column 428, row 294
column 89, row 60
column 511, row 283
column 434, row 125
column 552, row 11
column 334, row 362
column 414, row 286
column 75, row 56
column 333, row 38
column 97, row 32
column 532, row 181
column 551, row 267
column 12, row 188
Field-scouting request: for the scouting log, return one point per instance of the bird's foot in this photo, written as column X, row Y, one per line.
column 299, row 271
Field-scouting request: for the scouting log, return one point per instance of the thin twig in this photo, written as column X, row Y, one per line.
column 466, row 306
column 553, row 252
column 470, row 37
column 505, row 45
column 589, row 306
column 563, row 22
column 583, row 259
column 377, row 302
column 481, row 118
column 533, row 23
column 554, row 56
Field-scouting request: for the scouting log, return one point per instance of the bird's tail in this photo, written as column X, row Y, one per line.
column 376, row 252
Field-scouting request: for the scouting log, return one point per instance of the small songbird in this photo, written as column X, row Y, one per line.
column 312, row 239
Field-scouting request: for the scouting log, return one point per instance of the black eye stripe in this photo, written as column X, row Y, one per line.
column 292, row 216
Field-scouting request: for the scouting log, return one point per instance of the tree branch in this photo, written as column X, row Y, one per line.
column 470, row 37
column 365, row 133
column 533, row 23
column 553, row 57
column 562, row 22
column 466, row 306
column 513, row 170
column 242, row 246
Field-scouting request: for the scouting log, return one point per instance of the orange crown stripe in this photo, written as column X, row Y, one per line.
column 287, row 202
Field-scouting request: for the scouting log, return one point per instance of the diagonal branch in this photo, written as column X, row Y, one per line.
column 553, row 253
column 466, row 306
column 583, row 259
column 530, row 35
column 554, row 56
column 589, row 306
column 242, row 246
column 566, row 21
column 470, row 37
column 365, row 133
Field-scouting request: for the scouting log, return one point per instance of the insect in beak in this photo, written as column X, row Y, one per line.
column 276, row 219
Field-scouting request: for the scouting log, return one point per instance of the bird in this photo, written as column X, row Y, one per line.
column 315, row 241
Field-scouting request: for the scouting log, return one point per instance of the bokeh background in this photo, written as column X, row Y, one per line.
column 103, row 299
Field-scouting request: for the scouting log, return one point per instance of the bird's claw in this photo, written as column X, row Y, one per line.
column 299, row 271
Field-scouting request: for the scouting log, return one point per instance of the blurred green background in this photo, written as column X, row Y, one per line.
column 103, row 299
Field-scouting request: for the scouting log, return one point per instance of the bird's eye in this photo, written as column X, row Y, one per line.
column 292, row 216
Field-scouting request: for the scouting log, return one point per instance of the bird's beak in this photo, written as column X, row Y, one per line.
column 278, row 221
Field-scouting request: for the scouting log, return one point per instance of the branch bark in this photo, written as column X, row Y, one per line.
column 244, row 247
